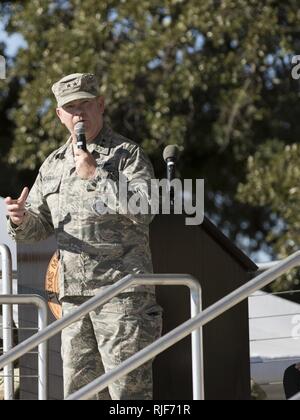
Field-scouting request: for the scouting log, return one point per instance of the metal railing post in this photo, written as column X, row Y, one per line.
column 42, row 350
column 41, row 304
column 196, row 308
column 197, row 346
column 7, row 320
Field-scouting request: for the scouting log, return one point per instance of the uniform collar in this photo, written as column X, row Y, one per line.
column 102, row 143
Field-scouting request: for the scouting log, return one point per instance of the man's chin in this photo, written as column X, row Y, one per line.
column 90, row 136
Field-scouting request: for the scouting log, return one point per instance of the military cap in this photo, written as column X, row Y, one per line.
column 75, row 86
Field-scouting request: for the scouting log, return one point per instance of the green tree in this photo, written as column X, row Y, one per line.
column 10, row 179
column 212, row 76
column 272, row 181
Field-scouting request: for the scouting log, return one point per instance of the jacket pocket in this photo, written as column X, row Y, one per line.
column 51, row 185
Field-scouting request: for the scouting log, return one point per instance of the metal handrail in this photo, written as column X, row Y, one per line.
column 14, row 273
column 7, row 319
column 108, row 293
column 267, row 265
column 187, row 327
column 42, row 306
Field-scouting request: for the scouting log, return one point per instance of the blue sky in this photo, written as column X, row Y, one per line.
column 13, row 42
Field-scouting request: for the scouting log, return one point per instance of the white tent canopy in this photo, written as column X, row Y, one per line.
column 274, row 325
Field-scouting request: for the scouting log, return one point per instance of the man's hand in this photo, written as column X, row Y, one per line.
column 16, row 208
column 85, row 164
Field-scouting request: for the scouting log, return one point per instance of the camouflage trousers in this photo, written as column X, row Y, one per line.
column 107, row 336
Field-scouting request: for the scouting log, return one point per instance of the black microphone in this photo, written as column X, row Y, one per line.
column 80, row 135
column 170, row 156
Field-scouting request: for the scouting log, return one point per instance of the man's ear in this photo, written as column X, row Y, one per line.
column 58, row 113
column 101, row 103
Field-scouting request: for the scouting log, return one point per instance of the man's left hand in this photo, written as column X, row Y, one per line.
column 85, row 164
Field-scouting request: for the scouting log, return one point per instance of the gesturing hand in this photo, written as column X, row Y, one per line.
column 16, row 208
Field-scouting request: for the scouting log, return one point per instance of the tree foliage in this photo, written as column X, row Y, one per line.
column 272, row 182
column 210, row 75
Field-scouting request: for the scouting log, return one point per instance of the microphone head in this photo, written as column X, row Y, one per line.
column 79, row 128
column 171, row 152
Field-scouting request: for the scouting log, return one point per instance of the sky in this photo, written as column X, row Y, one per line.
column 13, row 42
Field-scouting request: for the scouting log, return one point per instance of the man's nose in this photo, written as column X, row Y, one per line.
column 78, row 111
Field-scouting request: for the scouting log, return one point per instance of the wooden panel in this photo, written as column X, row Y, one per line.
column 191, row 250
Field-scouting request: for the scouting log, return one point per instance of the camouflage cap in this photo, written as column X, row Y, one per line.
column 75, row 86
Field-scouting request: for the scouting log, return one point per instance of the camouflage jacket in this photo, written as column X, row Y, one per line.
column 95, row 249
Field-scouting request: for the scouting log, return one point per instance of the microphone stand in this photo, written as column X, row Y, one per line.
column 170, row 155
column 170, row 177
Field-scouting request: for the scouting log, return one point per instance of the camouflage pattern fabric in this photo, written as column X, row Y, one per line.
column 95, row 249
column 106, row 337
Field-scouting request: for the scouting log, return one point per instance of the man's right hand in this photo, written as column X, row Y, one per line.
column 16, row 208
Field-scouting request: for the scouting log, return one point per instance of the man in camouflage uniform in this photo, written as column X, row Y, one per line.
column 96, row 248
